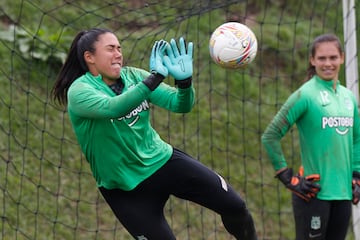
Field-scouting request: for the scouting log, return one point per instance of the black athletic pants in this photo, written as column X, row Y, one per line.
column 321, row 220
column 141, row 211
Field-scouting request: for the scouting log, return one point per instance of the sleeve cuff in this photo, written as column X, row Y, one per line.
column 186, row 83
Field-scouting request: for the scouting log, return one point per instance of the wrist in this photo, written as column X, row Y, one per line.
column 285, row 175
column 186, row 83
column 153, row 81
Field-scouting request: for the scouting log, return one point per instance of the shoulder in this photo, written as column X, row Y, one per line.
column 305, row 90
column 345, row 89
column 133, row 72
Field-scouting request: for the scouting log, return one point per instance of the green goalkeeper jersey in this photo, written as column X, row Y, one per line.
column 329, row 130
column 115, row 132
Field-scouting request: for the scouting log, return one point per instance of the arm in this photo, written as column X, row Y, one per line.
column 356, row 156
column 289, row 113
column 271, row 139
column 304, row 187
column 356, row 139
column 86, row 101
column 174, row 99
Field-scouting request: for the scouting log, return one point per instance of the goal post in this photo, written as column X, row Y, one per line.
column 352, row 76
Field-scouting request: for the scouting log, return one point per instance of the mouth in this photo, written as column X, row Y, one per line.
column 116, row 65
column 328, row 71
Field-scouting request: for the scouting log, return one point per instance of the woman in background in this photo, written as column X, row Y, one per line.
column 327, row 119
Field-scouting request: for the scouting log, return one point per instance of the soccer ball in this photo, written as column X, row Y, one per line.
column 233, row 45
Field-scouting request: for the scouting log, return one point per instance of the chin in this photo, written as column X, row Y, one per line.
column 327, row 78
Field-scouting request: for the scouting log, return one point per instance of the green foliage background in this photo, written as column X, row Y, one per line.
column 47, row 190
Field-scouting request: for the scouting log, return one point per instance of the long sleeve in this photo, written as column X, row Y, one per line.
column 174, row 99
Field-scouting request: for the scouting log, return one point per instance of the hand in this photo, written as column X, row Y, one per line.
column 356, row 187
column 156, row 58
column 304, row 187
column 179, row 63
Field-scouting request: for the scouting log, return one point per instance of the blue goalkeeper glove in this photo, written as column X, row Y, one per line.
column 356, row 187
column 304, row 187
column 157, row 68
column 156, row 58
column 179, row 62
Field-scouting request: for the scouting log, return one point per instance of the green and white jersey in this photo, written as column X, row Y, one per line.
column 115, row 132
column 329, row 132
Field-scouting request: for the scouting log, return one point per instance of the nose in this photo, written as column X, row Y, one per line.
column 118, row 54
column 327, row 62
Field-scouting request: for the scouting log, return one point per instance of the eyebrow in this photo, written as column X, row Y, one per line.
column 112, row 45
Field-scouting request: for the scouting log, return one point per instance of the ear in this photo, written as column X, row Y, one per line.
column 312, row 61
column 342, row 57
column 88, row 57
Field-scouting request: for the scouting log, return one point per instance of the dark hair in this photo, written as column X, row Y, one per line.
column 75, row 65
column 329, row 37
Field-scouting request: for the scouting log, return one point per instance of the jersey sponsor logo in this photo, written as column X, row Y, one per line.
column 341, row 124
column 133, row 116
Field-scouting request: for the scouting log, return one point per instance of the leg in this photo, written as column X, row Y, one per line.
column 320, row 219
column 311, row 218
column 339, row 220
column 140, row 212
column 189, row 179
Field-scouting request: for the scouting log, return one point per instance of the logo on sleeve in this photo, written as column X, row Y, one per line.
column 133, row 116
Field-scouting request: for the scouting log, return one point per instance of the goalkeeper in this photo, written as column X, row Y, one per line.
column 327, row 119
column 135, row 170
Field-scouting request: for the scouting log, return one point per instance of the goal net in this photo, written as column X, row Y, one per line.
column 46, row 188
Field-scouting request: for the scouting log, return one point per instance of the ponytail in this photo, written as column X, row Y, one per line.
column 75, row 65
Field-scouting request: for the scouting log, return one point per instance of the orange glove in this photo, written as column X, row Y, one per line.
column 356, row 187
column 304, row 187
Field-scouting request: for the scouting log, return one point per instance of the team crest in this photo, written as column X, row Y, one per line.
column 348, row 104
column 315, row 223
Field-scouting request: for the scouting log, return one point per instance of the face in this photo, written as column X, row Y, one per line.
column 107, row 59
column 327, row 60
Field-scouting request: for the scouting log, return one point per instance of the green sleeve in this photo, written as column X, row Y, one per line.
column 279, row 126
column 173, row 99
column 86, row 101
column 165, row 96
column 356, row 137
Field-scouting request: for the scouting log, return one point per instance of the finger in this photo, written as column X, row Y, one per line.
column 162, row 45
column 174, row 48
column 312, row 187
column 167, row 61
column 154, row 49
column 301, row 171
column 182, row 46
column 170, row 52
column 313, row 177
column 190, row 49
column 311, row 195
column 305, row 197
column 315, row 190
